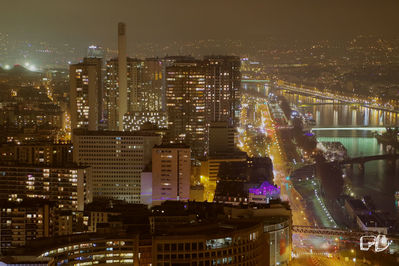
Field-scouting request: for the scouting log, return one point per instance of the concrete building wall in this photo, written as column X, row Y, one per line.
column 117, row 160
column 146, row 188
column 171, row 171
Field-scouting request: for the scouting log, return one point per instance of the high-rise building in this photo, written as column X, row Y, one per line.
column 144, row 89
column 122, row 74
column 69, row 187
column 171, row 171
column 223, row 82
column 117, row 159
column 150, row 95
column 199, row 92
column 112, row 90
column 86, row 94
column 185, row 104
column 134, row 121
column 111, row 94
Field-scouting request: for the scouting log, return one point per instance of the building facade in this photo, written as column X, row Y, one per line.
column 23, row 222
column 117, row 159
column 45, row 153
column 185, row 104
column 223, row 83
column 68, row 187
column 221, row 138
column 133, row 121
column 181, row 235
column 144, row 89
column 198, row 93
column 85, row 82
column 171, row 171
column 112, row 91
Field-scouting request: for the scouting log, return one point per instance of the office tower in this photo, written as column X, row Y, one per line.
column 86, row 93
column 112, row 90
column 117, row 159
column 223, row 82
column 185, row 104
column 133, row 121
column 199, row 92
column 122, row 74
column 111, row 94
column 150, row 95
column 68, row 187
column 144, row 92
column 171, row 171
column 221, row 138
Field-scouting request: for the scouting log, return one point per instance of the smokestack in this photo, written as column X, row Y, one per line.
column 122, row 73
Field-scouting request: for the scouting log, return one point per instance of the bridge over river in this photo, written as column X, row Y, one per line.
column 308, row 170
column 377, row 129
column 334, row 232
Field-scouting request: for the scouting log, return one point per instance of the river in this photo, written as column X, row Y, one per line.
column 379, row 181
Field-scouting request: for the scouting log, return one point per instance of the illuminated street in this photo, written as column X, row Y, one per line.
column 263, row 123
column 304, row 245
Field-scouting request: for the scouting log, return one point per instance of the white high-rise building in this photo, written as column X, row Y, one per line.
column 171, row 171
column 117, row 159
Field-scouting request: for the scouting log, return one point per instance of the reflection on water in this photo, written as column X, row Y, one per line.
column 380, row 180
column 342, row 115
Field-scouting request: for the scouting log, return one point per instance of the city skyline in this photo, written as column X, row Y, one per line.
column 199, row 133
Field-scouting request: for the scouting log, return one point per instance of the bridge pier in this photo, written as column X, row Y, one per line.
column 361, row 169
column 360, row 161
column 349, row 168
column 391, row 165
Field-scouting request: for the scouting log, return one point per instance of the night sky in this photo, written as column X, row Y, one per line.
column 78, row 21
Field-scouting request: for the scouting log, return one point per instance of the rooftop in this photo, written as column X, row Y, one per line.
column 14, row 164
column 370, row 220
column 172, row 146
column 357, row 205
column 80, row 132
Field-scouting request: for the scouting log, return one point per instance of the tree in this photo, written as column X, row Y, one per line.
column 330, row 175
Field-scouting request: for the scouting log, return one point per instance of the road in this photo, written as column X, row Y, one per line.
column 263, row 122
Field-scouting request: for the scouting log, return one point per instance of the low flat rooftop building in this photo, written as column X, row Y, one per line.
column 371, row 223
column 355, row 207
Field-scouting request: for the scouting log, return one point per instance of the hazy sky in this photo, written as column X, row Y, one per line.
column 77, row 21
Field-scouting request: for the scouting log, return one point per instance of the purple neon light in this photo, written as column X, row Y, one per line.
column 265, row 189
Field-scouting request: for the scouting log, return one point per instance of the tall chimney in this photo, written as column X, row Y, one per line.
column 122, row 73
